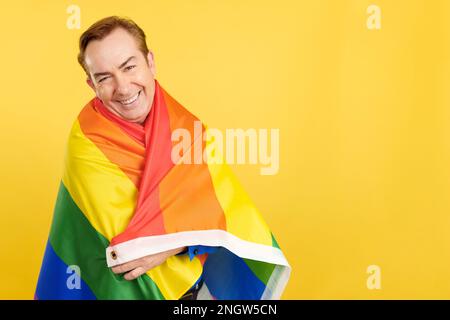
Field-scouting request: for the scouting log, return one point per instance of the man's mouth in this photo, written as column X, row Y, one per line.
column 130, row 100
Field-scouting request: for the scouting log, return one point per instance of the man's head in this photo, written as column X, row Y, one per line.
column 119, row 66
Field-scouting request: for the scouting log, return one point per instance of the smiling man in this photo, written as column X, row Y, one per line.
column 129, row 223
column 120, row 70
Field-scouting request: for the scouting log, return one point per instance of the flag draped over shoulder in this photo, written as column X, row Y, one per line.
column 123, row 197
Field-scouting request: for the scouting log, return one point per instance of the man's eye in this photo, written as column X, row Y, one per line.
column 129, row 67
column 102, row 79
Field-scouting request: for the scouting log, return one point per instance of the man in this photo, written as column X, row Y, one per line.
column 121, row 190
column 121, row 71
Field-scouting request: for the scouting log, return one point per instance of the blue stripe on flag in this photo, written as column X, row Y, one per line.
column 54, row 280
column 227, row 276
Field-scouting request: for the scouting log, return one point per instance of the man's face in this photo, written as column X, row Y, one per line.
column 121, row 76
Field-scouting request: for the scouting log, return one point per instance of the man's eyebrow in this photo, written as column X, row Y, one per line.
column 101, row 74
column 125, row 63
column 120, row 67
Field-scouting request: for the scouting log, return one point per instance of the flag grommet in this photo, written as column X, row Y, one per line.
column 113, row 255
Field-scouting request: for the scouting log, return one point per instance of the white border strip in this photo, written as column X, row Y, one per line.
column 277, row 283
column 140, row 247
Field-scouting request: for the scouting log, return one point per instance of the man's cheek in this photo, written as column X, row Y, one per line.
column 142, row 79
column 104, row 94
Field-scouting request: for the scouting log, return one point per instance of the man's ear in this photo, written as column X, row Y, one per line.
column 90, row 83
column 151, row 63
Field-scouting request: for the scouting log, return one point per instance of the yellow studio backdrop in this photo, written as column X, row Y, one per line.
column 358, row 89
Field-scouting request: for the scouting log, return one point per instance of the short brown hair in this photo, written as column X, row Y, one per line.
column 104, row 27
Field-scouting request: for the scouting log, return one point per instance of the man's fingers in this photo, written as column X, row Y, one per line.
column 139, row 271
column 147, row 262
column 126, row 266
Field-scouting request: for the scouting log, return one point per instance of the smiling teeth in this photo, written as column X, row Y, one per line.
column 131, row 100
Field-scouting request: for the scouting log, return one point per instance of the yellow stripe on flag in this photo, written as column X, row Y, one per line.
column 243, row 218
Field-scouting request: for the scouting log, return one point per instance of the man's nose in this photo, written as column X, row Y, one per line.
column 122, row 86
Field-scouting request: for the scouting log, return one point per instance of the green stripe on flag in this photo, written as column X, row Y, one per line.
column 274, row 242
column 262, row 270
column 76, row 242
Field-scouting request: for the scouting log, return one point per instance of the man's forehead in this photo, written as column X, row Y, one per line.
column 111, row 51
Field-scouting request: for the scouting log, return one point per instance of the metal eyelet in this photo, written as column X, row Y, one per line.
column 113, row 255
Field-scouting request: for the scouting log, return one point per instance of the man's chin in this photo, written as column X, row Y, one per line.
column 135, row 118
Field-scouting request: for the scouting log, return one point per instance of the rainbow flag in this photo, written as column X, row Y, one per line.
column 123, row 197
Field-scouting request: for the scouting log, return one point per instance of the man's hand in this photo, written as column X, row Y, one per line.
column 140, row 266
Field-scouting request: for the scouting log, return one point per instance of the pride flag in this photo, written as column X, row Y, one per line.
column 123, row 197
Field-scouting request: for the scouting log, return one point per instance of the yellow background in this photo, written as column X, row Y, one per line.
column 363, row 115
